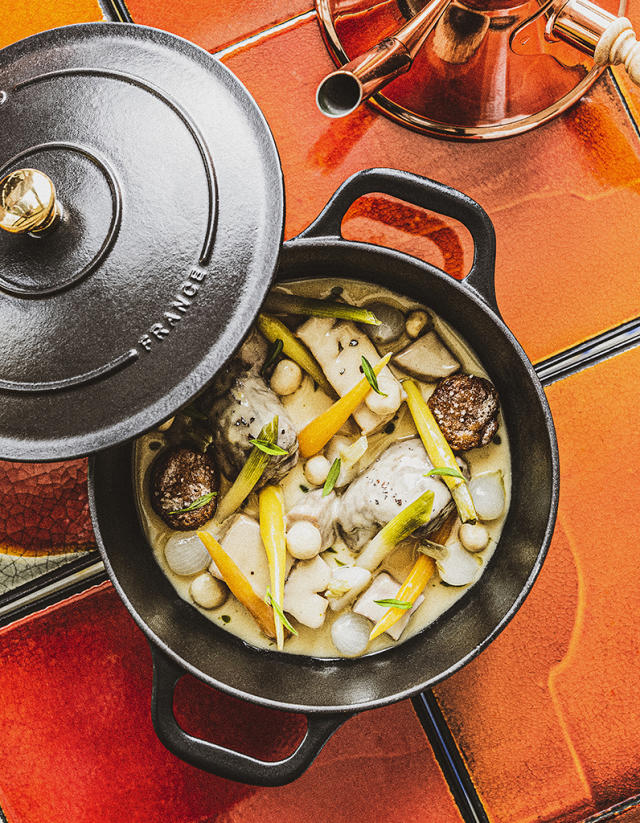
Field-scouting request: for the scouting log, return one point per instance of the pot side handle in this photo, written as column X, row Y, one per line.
column 428, row 194
column 219, row 760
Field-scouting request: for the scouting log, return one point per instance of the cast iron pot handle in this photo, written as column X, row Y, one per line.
column 225, row 762
column 428, row 194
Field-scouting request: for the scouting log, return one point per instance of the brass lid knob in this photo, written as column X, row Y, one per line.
column 27, row 202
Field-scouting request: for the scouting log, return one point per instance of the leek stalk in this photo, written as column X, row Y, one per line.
column 407, row 520
column 271, row 508
column 439, row 450
column 274, row 329
column 311, row 307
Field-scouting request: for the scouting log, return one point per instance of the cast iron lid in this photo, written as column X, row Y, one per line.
column 170, row 200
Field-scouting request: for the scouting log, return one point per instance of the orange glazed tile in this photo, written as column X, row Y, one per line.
column 564, row 198
column 21, row 18
column 214, row 25
column 548, row 716
column 77, row 744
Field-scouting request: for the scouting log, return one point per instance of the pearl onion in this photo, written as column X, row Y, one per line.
column 304, row 540
column 350, row 634
column 316, row 469
column 416, row 321
column 207, row 591
column 474, row 538
column 487, row 491
column 286, row 377
column 186, row 555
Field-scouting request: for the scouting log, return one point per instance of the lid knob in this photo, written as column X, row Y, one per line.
column 28, row 202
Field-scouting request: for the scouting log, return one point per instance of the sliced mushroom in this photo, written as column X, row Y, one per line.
column 300, row 592
column 427, row 358
column 391, row 324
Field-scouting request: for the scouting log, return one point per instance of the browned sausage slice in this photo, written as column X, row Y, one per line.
column 466, row 408
column 179, row 478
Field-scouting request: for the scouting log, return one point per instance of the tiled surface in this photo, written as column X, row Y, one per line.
column 20, row 18
column 560, row 196
column 213, row 25
column 547, row 717
column 558, row 690
column 77, row 745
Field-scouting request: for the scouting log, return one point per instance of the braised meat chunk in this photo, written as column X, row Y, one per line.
column 182, row 485
column 466, row 409
column 239, row 415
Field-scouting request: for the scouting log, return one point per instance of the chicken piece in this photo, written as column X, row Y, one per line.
column 338, row 346
column 390, row 483
column 240, row 415
column 179, row 478
column 466, row 409
column 384, row 587
column 300, row 592
column 319, row 511
column 243, row 544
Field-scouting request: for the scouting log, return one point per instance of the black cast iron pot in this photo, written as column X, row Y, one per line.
column 329, row 691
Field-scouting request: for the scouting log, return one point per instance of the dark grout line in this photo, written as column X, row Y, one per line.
column 623, row 100
column 449, row 758
column 589, row 353
column 116, row 11
column 614, row 811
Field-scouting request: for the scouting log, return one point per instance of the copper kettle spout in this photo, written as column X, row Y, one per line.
column 342, row 91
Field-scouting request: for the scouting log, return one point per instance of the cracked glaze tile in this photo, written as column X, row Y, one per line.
column 89, row 648
column 564, row 198
column 558, row 688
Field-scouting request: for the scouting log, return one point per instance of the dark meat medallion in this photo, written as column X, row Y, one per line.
column 466, row 409
column 181, row 476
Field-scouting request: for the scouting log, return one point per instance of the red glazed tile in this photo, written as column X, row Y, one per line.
column 214, row 25
column 547, row 717
column 563, row 198
column 77, row 744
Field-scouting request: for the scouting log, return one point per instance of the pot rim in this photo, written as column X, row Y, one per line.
column 469, row 293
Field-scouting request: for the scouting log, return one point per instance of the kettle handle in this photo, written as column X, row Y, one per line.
column 219, row 760
column 428, row 194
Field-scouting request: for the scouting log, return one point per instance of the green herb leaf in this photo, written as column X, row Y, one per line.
column 267, row 446
column 371, row 376
column 331, row 549
column 392, row 602
column 197, row 504
column 444, row 471
column 304, row 489
column 332, row 477
column 225, row 618
column 276, row 607
column 274, row 353
column 339, row 562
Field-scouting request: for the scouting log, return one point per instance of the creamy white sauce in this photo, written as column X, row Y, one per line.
column 303, row 407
